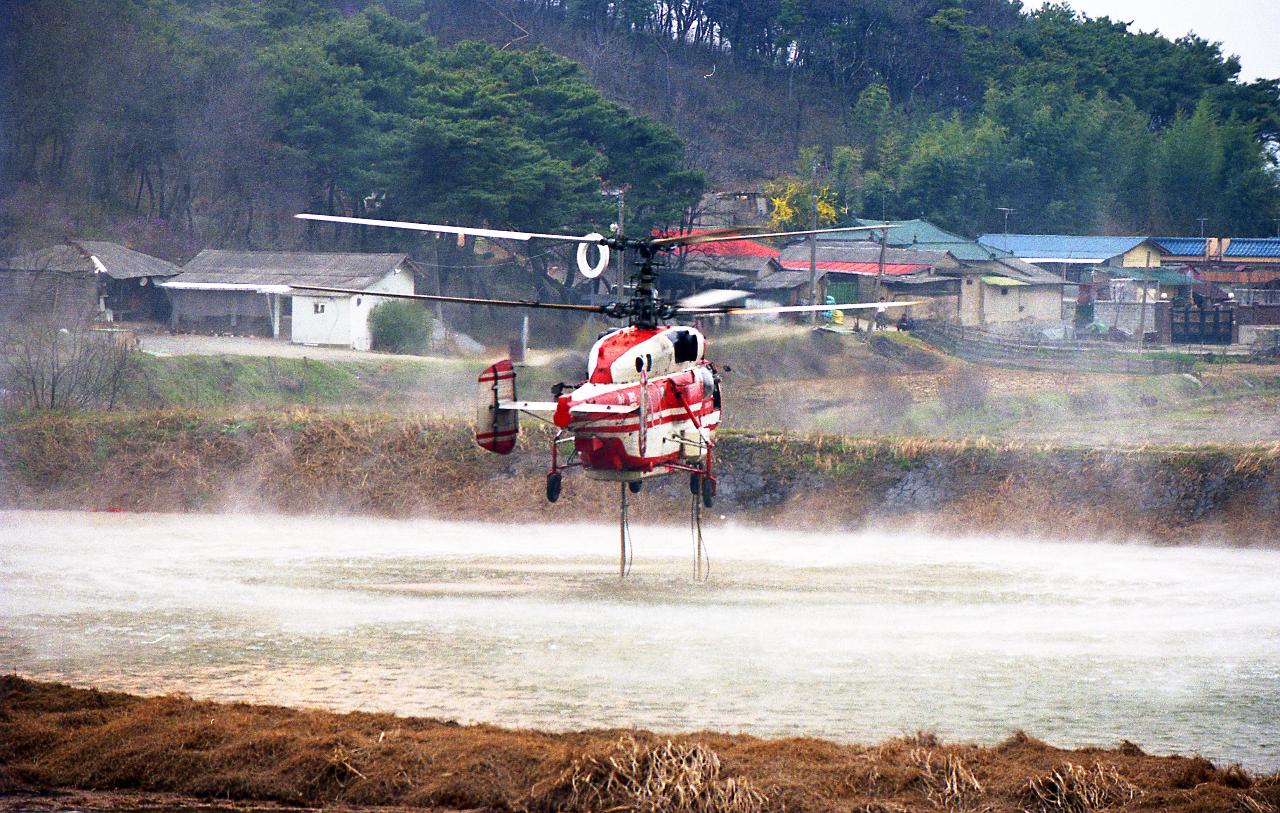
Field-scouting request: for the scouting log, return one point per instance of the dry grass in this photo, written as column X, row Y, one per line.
column 948, row 783
column 666, row 778
column 53, row 736
column 1075, row 789
column 301, row 462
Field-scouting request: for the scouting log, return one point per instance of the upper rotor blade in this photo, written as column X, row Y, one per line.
column 726, row 235
column 799, row 308
column 495, row 233
column 706, row 299
column 463, row 300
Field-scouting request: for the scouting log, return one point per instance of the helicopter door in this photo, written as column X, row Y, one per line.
column 497, row 428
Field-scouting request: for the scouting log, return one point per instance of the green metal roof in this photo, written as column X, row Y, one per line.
column 924, row 236
column 1160, row 276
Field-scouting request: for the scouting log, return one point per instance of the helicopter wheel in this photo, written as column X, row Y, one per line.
column 708, row 492
column 635, row 486
column 554, row 482
column 695, row 483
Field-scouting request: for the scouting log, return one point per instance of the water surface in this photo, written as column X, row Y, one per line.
column 855, row 637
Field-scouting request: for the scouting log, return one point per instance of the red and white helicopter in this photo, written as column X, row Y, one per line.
column 652, row 400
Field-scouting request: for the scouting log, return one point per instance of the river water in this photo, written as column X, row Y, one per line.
column 854, row 637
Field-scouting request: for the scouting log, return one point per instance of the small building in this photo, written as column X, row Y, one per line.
column 1074, row 257
column 87, row 278
column 250, row 292
column 1006, row 291
column 727, row 264
column 856, row 270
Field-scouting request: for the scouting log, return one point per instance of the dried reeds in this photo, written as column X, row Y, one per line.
column 948, row 782
column 1076, row 789
column 667, row 778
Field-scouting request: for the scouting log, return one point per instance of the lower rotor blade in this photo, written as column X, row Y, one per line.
column 716, row 296
column 799, row 308
column 461, row 300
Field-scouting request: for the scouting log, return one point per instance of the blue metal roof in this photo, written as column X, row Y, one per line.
column 1061, row 246
column 1182, row 246
column 1253, row 247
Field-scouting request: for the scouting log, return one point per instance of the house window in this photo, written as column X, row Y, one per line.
column 969, row 281
column 317, row 307
column 1004, row 292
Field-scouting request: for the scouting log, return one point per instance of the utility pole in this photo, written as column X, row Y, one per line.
column 1142, row 309
column 813, row 239
column 884, row 236
column 1202, row 220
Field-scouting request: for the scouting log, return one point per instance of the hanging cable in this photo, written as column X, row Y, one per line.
column 701, row 559
column 625, row 547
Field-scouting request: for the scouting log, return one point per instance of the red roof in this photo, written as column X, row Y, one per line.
column 728, row 248
column 890, row 269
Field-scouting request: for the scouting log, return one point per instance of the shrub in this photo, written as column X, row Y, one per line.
column 401, row 327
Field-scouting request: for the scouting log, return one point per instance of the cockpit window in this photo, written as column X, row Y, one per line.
column 685, row 343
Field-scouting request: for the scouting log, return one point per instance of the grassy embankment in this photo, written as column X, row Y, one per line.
column 778, row 378
column 53, row 737
column 301, row 461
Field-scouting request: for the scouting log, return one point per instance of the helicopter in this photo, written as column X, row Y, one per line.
column 652, row 400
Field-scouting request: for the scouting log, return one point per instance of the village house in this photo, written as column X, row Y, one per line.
column 847, row 270
column 80, row 278
column 249, row 292
column 1076, row 257
column 728, row 264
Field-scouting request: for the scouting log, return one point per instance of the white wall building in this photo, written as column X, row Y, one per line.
column 250, row 292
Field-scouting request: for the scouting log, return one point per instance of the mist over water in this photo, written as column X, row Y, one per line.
column 856, row 637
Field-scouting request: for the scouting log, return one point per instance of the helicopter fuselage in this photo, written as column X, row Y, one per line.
column 650, row 405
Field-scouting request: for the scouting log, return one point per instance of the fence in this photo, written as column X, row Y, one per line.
column 1201, row 326
column 983, row 347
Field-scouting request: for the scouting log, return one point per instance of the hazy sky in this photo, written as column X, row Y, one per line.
column 1248, row 28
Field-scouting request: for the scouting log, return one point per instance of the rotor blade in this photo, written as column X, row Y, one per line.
column 706, row 299
column 462, row 300
column 720, row 235
column 497, row 233
column 728, row 232
column 799, row 308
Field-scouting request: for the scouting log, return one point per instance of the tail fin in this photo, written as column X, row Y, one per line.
column 497, row 428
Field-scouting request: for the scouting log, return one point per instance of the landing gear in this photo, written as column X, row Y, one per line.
column 635, row 486
column 704, row 486
column 554, row 482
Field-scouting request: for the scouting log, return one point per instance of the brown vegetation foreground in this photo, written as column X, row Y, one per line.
column 57, row 737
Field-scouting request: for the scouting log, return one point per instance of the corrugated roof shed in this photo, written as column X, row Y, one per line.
column 1018, row 269
column 289, row 268
column 890, row 269
column 1253, row 247
column 1182, row 246
column 923, row 235
column 728, row 248
column 76, row 256
column 781, row 280
column 861, row 251
column 1062, row 246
